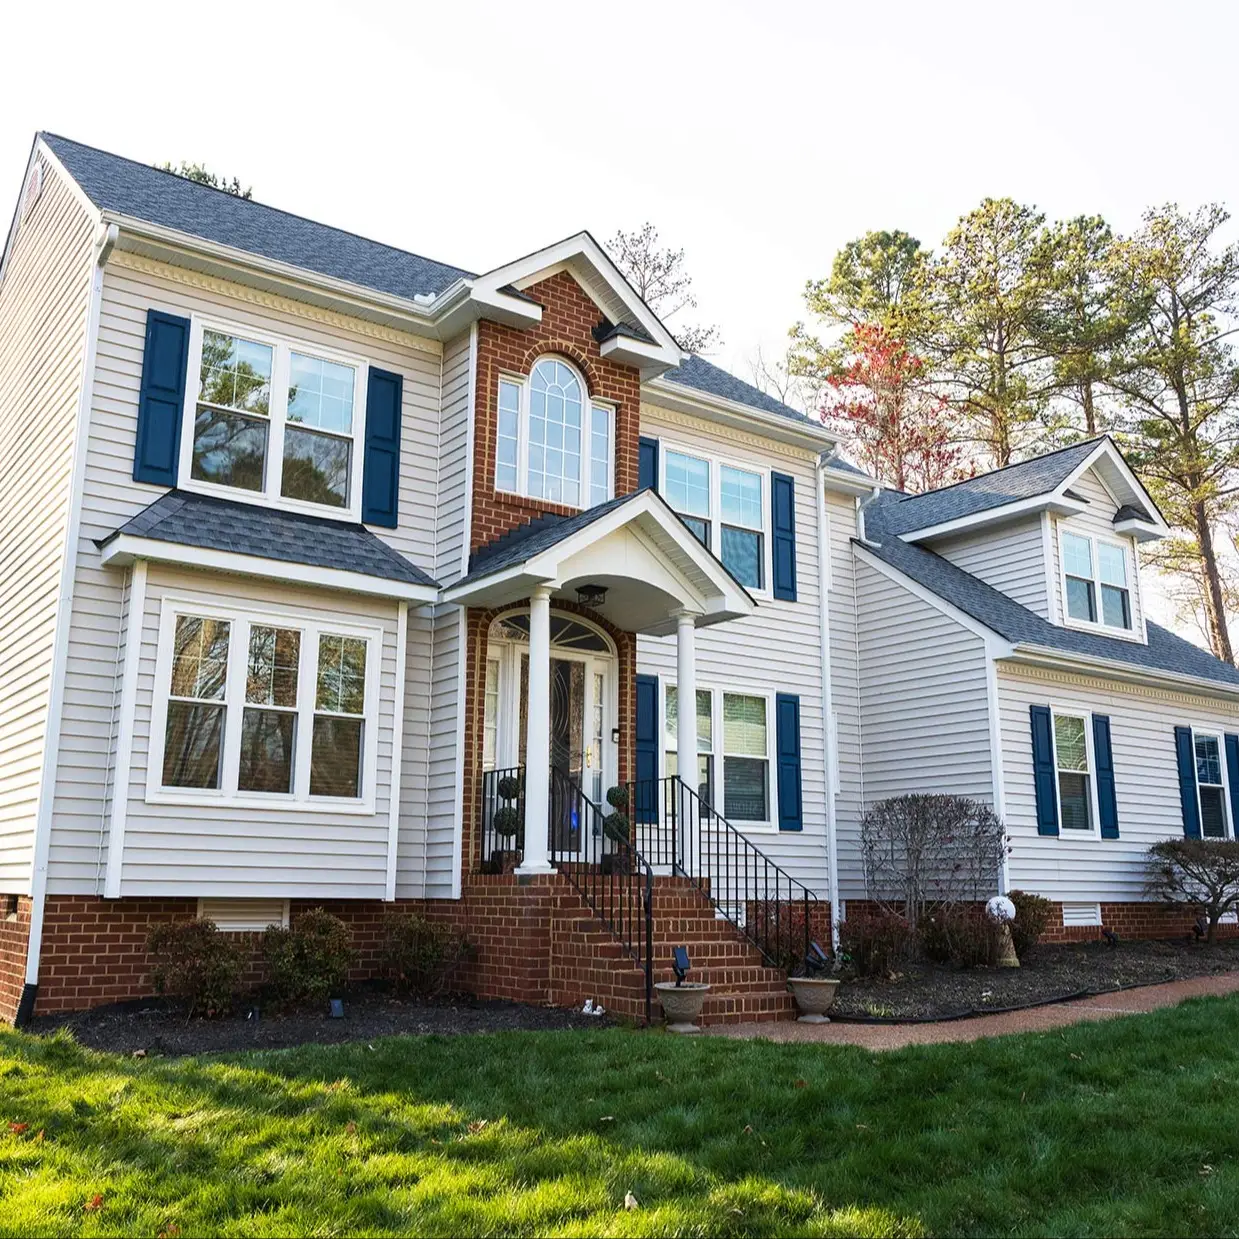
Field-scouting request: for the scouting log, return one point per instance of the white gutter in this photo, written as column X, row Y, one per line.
column 829, row 734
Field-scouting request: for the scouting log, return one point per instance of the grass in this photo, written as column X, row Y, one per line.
column 1125, row 1128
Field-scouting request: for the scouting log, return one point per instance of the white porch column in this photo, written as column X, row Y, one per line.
column 686, row 734
column 538, row 736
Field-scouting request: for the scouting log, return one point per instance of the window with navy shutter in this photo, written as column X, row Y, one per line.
column 1044, row 780
column 1185, row 758
column 647, row 464
column 645, row 806
column 161, row 402
column 783, row 531
column 1232, row 774
column 787, row 746
column 380, row 491
column 1107, row 798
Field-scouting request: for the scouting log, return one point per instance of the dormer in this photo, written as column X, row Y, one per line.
column 1059, row 534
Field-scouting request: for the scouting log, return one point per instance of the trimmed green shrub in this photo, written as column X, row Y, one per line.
column 506, row 822
column 874, row 943
column 419, row 955
column 309, row 960
column 617, row 797
column 509, row 787
column 196, row 964
column 1033, row 914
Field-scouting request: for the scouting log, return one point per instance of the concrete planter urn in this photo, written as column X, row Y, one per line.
column 814, row 996
column 682, row 1004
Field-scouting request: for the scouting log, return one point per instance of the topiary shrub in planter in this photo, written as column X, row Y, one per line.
column 1033, row 915
column 310, row 960
column 196, row 964
column 419, row 955
column 872, row 944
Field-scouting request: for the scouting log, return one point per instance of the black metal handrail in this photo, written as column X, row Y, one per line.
column 596, row 854
column 775, row 911
column 503, row 835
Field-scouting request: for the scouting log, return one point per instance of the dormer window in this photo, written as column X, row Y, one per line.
column 553, row 441
column 1095, row 581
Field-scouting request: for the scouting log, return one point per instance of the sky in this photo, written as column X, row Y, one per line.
column 760, row 137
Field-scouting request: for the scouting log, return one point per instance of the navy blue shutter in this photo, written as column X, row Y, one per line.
column 380, row 487
column 1043, row 770
column 1107, row 799
column 161, row 402
column 783, row 522
column 1185, row 754
column 645, row 807
column 1232, row 774
column 647, row 464
column 787, row 752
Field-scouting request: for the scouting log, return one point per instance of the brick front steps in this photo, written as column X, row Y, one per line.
column 587, row 962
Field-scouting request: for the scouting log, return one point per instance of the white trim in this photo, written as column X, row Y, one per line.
column 277, row 422
column 1113, row 669
column 397, row 747
column 997, row 774
column 1094, row 806
column 125, row 549
column 1224, row 787
column 241, row 618
column 830, row 722
column 124, row 745
column 996, row 645
column 1112, row 454
column 64, row 617
column 1099, row 626
column 717, row 463
column 1047, row 554
column 1049, row 501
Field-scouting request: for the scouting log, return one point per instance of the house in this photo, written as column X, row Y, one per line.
column 314, row 549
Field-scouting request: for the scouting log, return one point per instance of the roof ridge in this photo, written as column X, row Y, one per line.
column 253, row 202
column 1015, row 464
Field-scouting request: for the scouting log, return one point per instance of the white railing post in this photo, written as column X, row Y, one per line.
column 536, row 858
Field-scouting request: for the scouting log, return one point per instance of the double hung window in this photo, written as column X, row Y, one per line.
column 1095, row 581
column 705, row 740
column 1209, row 788
column 278, row 421
column 1071, row 757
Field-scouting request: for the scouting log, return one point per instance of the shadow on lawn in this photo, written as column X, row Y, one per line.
column 434, row 1136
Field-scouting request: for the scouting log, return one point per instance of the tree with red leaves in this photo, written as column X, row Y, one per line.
column 880, row 406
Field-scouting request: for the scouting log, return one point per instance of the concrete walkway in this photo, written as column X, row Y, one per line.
column 1036, row 1019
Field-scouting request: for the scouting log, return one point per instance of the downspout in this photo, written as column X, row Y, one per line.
column 829, row 734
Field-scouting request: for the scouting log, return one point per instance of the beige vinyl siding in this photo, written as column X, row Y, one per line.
column 1074, row 866
column 431, row 871
column 111, row 497
column 44, row 303
column 923, row 696
column 275, row 853
column 1098, row 521
column 1011, row 559
column 775, row 650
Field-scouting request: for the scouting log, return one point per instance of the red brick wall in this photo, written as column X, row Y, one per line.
column 14, row 938
column 568, row 319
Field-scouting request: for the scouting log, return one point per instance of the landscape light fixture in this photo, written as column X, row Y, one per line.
column 816, row 960
column 679, row 963
column 591, row 595
column 337, row 1008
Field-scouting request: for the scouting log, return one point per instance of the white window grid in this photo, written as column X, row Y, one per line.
column 1095, row 543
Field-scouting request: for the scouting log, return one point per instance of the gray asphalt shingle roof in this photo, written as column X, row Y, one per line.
column 701, row 375
column 1025, row 480
column 247, row 529
column 1006, row 617
column 127, row 187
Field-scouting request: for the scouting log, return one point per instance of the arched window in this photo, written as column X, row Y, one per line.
column 554, row 442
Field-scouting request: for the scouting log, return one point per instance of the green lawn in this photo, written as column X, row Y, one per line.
column 1131, row 1127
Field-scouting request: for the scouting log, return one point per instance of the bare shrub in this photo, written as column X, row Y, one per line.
column 872, row 943
column 924, row 851
column 1198, row 875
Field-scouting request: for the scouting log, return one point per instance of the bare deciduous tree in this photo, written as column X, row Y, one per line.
column 1199, row 875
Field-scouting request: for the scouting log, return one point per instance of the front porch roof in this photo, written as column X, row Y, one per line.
column 634, row 546
column 203, row 531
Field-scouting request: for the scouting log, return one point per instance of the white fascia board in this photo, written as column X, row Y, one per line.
column 128, row 548
column 1107, row 449
column 848, row 483
column 1142, row 531
column 399, row 312
column 679, row 398
column 996, row 645
column 1114, row 669
column 650, row 359
column 1051, row 501
column 582, row 245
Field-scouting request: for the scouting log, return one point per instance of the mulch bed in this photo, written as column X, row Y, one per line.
column 931, row 991
column 154, row 1027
